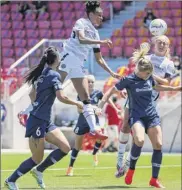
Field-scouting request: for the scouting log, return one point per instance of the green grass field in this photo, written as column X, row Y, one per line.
column 95, row 178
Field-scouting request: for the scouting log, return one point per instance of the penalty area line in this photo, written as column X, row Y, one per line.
column 101, row 168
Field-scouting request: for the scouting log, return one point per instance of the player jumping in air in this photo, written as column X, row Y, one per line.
column 143, row 116
column 46, row 86
column 163, row 72
column 84, row 38
column 82, row 126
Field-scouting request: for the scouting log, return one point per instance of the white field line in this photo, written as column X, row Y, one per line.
column 102, row 168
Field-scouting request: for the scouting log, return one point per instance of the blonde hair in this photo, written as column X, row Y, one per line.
column 163, row 38
column 91, row 77
column 142, row 63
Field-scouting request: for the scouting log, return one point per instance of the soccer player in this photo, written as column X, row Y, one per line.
column 84, row 38
column 143, row 116
column 163, row 72
column 82, row 126
column 46, row 86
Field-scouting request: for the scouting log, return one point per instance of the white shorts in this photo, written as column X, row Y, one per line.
column 71, row 65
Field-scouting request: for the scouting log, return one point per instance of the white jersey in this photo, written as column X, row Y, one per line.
column 73, row 45
column 163, row 67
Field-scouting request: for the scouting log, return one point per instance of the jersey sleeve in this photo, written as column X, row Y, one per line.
column 123, row 83
column 170, row 70
column 99, row 95
column 78, row 25
column 56, row 82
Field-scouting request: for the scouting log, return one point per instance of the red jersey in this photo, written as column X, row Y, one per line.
column 112, row 115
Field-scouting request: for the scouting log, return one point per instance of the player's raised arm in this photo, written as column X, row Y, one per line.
column 167, row 88
column 103, row 64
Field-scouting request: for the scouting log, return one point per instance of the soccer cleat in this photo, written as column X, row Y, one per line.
column 69, row 171
column 154, row 182
column 10, row 185
column 95, row 160
column 97, row 134
column 119, row 173
column 39, row 177
column 129, row 177
column 22, row 118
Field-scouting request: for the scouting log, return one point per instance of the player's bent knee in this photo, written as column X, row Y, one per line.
column 157, row 145
column 37, row 159
column 139, row 141
column 65, row 148
column 123, row 137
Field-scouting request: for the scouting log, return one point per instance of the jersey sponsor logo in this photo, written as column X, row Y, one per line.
column 35, row 104
column 143, row 89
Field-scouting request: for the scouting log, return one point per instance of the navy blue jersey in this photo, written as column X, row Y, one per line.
column 95, row 96
column 46, row 86
column 140, row 94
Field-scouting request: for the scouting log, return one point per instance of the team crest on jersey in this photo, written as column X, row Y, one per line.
column 63, row 66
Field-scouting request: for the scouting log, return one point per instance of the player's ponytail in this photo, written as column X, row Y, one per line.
column 142, row 63
column 49, row 57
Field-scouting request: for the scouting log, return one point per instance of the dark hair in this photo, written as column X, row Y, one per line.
column 50, row 55
column 91, row 6
column 114, row 99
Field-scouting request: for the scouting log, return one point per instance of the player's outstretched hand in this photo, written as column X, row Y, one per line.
column 79, row 105
column 22, row 118
column 108, row 42
column 123, row 94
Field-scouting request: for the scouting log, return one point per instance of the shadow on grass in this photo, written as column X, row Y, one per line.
column 82, row 175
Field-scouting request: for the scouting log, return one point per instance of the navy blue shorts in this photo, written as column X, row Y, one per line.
column 147, row 122
column 37, row 128
column 82, row 126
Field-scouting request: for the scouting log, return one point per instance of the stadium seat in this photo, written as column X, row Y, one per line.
column 30, row 16
column 129, row 32
column 79, row 14
column 32, row 33
column 138, row 22
column 7, row 52
column 116, row 33
column 67, row 6
column 169, row 22
column 67, row 15
column 128, row 51
column 43, row 16
column 58, row 33
column 177, row 22
column 164, row 13
column 170, row 31
column 140, row 14
column 20, row 52
column 16, row 16
column 130, row 42
column 55, row 15
column 176, row 12
column 162, row 5
column 68, row 24
column 5, row 25
column 8, row 62
column 37, row 53
column 116, row 51
column 118, row 41
column 141, row 40
column 175, row 4
column 151, row 5
column 57, row 24
column 7, row 43
column 105, row 51
column 118, row 5
column 44, row 24
column 173, row 41
column 106, row 14
column 178, row 41
column 45, row 33
column 79, row 6
column 178, row 31
column 142, row 32
column 5, row 17
column 31, row 42
column 5, row 8
column 54, row 6
column 179, row 51
column 14, row 7
column 129, row 23
column 68, row 32
column 20, row 43
column 17, row 25
column 19, row 33
column 34, row 61
column 6, row 34
column 31, row 24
